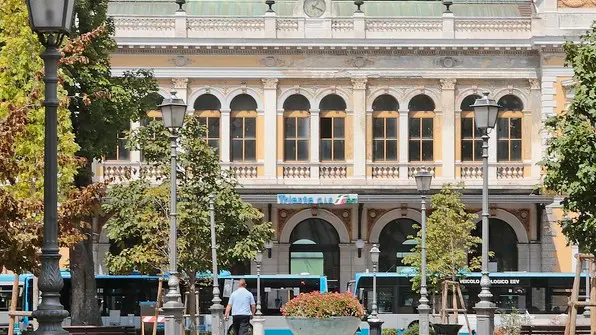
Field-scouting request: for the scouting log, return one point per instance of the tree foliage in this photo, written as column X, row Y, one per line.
column 21, row 149
column 571, row 152
column 449, row 241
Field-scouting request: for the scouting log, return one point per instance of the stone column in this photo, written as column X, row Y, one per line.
column 270, row 140
column 403, row 143
column 359, row 120
column 282, row 253
column 225, row 135
column 537, row 126
column 523, row 257
column 314, row 143
column 346, row 273
column 448, row 128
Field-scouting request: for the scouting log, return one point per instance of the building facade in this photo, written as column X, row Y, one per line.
column 326, row 113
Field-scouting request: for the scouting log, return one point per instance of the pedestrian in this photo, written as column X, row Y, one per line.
column 242, row 307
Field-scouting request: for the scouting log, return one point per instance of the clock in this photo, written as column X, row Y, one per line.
column 314, row 8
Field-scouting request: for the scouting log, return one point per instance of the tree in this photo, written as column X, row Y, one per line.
column 449, row 241
column 101, row 108
column 140, row 223
column 571, row 148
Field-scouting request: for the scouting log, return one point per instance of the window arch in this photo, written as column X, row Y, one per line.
column 207, row 107
column 471, row 136
column 421, row 129
column 296, row 102
column 509, row 129
column 296, row 128
column 207, row 102
column 502, row 241
column 421, row 103
column 385, row 102
column 243, row 129
column 384, row 129
column 332, row 128
column 314, row 248
column 332, row 102
column 395, row 243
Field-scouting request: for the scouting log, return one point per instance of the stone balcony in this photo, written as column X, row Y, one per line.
column 379, row 175
column 446, row 27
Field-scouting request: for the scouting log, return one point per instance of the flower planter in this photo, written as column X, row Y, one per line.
column 338, row 325
column 446, row 329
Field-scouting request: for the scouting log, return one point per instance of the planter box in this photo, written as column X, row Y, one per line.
column 341, row 325
column 446, row 329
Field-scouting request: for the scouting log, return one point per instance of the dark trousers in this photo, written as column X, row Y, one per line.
column 241, row 324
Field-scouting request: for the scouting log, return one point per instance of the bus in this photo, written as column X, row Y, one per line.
column 542, row 296
column 118, row 296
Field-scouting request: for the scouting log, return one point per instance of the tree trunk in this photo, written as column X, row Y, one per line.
column 84, row 309
column 192, row 304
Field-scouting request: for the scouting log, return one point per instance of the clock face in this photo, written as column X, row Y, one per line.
column 314, row 8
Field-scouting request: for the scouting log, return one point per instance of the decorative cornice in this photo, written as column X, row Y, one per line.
column 270, row 83
column 448, row 84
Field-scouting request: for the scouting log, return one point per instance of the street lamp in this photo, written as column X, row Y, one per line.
column 486, row 111
column 423, row 180
column 216, row 307
column 373, row 319
column 259, row 320
column 173, row 111
column 359, row 246
column 52, row 21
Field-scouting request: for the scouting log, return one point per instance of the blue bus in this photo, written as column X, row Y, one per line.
column 540, row 295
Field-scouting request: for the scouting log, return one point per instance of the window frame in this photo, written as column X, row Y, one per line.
column 208, row 115
column 333, row 115
column 421, row 115
column 509, row 115
column 476, row 138
column 295, row 138
column 385, row 115
column 243, row 115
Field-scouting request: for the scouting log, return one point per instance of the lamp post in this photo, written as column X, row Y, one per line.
column 173, row 111
column 373, row 319
column 486, row 111
column 52, row 21
column 258, row 321
column 423, row 180
column 216, row 308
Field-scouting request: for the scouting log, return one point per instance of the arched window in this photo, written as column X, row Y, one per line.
column 420, row 128
column 332, row 128
column 471, row 137
column 296, row 128
column 243, row 128
column 509, row 129
column 502, row 241
column 396, row 242
column 315, row 249
column 385, row 116
column 207, row 108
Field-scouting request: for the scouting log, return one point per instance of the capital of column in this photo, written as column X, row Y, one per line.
column 270, row 83
column 225, row 111
column 359, row 83
column 180, row 83
column 315, row 111
column 448, row 84
column 534, row 84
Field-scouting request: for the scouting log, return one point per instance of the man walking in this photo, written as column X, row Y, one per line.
column 242, row 306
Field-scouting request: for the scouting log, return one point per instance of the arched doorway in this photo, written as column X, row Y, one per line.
column 502, row 241
column 395, row 244
column 314, row 248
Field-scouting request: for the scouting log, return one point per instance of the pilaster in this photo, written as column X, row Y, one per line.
column 448, row 128
column 403, row 142
column 225, row 135
column 536, row 140
column 346, row 273
column 270, row 138
column 314, row 143
column 359, row 120
column 181, row 86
